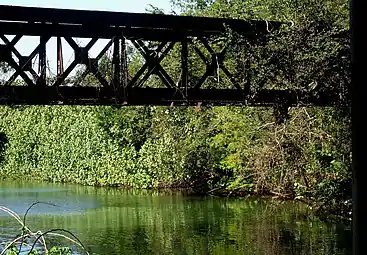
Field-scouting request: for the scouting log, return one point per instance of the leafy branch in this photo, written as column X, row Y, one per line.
column 38, row 236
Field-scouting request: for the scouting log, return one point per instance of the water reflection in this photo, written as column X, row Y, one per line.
column 113, row 221
column 19, row 196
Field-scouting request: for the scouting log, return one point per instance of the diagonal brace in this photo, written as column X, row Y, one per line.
column 76, row 48
column 154, row 65
column 94, row 65
column 19, row 69
column 217, row 61
column 144, row 67
column 17, row 54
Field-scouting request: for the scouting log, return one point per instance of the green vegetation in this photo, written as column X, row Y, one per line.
column 224, row 149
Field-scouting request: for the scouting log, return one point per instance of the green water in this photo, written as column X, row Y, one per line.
column 116, row 221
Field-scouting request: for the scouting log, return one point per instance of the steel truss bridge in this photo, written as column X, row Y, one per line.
column 122, row 88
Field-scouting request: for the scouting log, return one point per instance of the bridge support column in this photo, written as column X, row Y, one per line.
column 116, row 63
column 60, row 58
column 125, row 71
column 42, row 68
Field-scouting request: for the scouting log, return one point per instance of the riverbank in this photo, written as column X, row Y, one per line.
column 317, row 210
column 151, row 147
column 330, row 215
column 340, row 213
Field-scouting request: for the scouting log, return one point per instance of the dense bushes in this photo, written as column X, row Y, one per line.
column 63, row 144
column 229, row 148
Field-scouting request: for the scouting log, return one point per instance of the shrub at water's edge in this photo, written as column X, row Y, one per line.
column 235, row 150
column 34, row 242
column 61, row 144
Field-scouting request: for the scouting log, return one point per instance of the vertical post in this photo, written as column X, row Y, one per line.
column 116, row 63
column 42, row 62
column 60, row 58
column 125, row 72
column 184, row 64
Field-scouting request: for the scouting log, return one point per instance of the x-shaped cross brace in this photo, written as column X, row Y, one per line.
column 76, row 61
column 216, row 61
column 93, row 67
column 153, row 63
column 19, row 70
column 18, row 55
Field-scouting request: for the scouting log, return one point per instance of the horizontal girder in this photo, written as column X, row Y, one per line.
column 90, row 31
column 100, row 20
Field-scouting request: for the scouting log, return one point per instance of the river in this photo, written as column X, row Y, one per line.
column 120, row 221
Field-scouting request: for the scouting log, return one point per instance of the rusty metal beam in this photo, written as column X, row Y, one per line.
column 60, row 58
